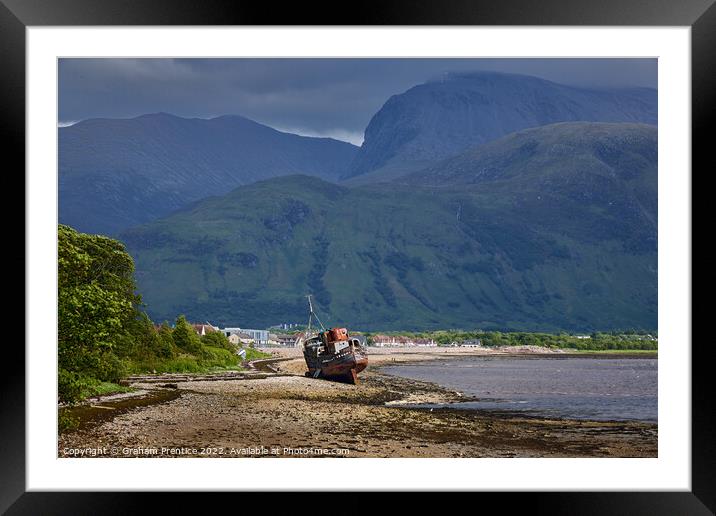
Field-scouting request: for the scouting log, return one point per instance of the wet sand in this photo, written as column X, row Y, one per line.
column 288, row 415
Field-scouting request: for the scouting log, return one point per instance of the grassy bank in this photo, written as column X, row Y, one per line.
column 212, row 359
column 99, row 388
column 206, row 360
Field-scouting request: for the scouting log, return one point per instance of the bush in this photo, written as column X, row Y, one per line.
column 70, row 386
column 180, row 364
column 66, row 421
column 165, row 346
column 111, row 369
column 217, row 340
column 218, row 357
column 185, row 338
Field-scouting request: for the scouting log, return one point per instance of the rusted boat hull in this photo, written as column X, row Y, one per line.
column 343, row 366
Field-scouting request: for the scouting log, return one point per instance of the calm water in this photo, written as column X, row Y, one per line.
column 582, row 388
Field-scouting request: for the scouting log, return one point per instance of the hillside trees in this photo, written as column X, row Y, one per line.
column 102, row 333
column 96, row 302
column 217, row 340
column 185, row 338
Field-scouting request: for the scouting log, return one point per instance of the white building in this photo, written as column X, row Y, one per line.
column 259, row 337
column 471, row 343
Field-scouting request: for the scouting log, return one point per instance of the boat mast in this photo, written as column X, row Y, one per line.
column 312, row 314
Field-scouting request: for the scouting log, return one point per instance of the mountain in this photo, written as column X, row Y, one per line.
column 606, row 164
column 116, row 173
column 547, row 229
column 438, row 119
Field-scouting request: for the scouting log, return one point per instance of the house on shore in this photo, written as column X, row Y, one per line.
column 287, row 340
column 471, row 343
column 203, row 328
column 245, row 339
column 247, row 336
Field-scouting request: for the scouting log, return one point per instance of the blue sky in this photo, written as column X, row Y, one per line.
column 313, row 97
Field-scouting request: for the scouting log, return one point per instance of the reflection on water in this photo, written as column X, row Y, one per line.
column 583, row 388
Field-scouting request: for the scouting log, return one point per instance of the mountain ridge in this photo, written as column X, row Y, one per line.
column 116, row 173
column 434, row 120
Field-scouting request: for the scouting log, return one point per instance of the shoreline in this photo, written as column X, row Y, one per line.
column 284, row 410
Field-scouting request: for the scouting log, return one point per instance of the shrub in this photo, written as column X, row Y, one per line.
column 218, row 357
column 185, row 338
column 217, row 340
column 69, row 386
column 66, row 421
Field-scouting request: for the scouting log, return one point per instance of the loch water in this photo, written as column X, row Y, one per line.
column 565, row 387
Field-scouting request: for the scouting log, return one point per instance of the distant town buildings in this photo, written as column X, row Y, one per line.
column 286, row 339
column 393, row 341
column 286, row 326
column 471, row 343
column 247, row 336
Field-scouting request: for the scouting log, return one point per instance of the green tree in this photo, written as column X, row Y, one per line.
column 167, row 348
column 218, row 340
column 96, row 300
column 147, row 341
column 185, row 338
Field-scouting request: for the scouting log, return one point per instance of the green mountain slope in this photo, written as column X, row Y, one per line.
column 570, row 177
column 538, row 243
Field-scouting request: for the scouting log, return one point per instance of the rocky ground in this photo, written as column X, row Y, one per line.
column 266, row 414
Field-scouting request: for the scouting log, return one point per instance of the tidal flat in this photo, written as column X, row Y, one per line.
column 280, row 412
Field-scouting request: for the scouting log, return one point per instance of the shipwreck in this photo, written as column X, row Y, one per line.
column 333, row 354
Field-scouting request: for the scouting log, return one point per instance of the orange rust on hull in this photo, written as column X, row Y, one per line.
column 353, row 377
column 333, row 353
column 341, row 363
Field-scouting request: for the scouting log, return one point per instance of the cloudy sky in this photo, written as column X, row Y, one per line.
column 313, row 97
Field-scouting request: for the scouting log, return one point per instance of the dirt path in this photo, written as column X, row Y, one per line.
column 285, row 414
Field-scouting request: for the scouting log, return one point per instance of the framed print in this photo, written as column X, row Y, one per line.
column 449, row 245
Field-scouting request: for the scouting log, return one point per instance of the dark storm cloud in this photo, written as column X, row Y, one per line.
column 331, row 97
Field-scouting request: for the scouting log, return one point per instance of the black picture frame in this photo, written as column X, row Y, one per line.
column 17, row 15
